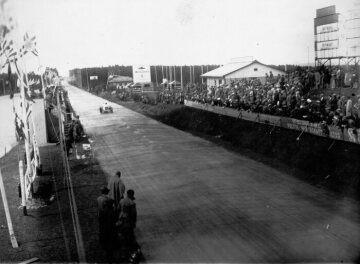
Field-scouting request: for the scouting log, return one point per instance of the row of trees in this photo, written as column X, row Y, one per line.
column 190, row 74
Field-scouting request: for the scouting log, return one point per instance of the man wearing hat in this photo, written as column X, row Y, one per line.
column 127, row 220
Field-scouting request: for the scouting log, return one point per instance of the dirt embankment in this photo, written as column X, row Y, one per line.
column 320, row 161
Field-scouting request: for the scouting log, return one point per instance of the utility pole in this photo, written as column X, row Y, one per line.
column 87, row 79
column 162, row 71
column 181, row 78
column 202, row 72
column 190, row 74
column 170, row 73
column 156, row 78
column 308, row 57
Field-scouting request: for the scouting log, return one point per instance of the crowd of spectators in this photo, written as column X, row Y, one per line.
column 289, row 96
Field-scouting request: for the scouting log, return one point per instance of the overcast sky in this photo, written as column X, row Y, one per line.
column 85, row 33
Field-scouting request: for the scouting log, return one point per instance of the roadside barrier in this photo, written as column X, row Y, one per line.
column 349, row 135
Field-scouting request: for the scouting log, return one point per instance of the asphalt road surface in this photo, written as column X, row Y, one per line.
column 198, row 202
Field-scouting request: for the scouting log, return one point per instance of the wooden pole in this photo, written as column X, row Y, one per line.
column 174, row 73
column 170, row 73
column 181, row 78
column 7, row 213
column 87, row 79
column 156, row 78
column 190, row 74
column 162, row 71
column 202, row 72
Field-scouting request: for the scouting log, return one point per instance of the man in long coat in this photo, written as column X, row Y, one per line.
column 127, row 220
column 107, row 227
column 116, row 188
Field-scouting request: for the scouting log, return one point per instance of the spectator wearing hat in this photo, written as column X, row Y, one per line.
column 107, row 220
column 116, row 188
column 127, row 220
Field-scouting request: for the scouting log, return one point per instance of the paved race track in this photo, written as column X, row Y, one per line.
column 198, row 202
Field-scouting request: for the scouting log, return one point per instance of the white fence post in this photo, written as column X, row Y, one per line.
column 7, row 213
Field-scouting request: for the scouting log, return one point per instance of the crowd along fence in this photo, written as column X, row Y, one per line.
column 336, row 133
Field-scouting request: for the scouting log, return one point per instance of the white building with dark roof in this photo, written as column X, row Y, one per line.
column 237, row 71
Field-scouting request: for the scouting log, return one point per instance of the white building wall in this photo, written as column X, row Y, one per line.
column 214, row 81
column 250, row 72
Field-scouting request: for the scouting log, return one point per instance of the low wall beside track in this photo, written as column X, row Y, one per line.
column 335, row 133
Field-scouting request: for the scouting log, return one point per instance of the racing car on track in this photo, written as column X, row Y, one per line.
column 105, row 108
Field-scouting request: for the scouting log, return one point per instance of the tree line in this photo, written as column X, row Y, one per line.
column 83, row 77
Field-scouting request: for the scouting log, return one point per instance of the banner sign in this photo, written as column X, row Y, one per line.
column 93, row 77
column 326, row 45
column 335, row 133
column 141, row 74
column 327, row 28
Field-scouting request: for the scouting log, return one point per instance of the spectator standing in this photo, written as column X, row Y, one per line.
column 356, row 112
column 107, row 220
column 317, row 80
column 349, row 106
column 127, row 220
column 342, row 105
column 116, row 188
column 327, row 78
column 333, row 102
column 342, row 78
column 333, row 80
column 338, row 76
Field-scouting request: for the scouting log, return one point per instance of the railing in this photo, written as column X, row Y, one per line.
column 290, row 123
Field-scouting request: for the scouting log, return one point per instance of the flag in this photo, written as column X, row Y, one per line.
column 28, row 46
column 10, row 82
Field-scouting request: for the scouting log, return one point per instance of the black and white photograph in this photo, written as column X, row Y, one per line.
column 179, row 131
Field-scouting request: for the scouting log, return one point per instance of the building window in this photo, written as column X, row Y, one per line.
column 255, row 69
column 219, row 82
